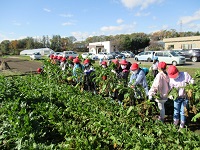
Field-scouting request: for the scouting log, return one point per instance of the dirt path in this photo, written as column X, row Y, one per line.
column 20, row 65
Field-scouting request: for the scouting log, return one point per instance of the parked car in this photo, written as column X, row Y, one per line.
column 170, row 57
column 191, row 54
column 127, row 54
column 104, row 55
column 145, row 56
column 70, row 53
column 117, row 55
column 89, row 55
column 35, row 56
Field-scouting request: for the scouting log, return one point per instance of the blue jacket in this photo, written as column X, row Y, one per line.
column 139, row 79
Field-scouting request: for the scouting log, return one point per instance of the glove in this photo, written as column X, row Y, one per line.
column 192, row 81
column 113, row 71
column 150, row 97
column 171, row 97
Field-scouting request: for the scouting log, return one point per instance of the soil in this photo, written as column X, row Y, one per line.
column 21, row 65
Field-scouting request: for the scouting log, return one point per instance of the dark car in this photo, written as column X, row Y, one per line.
column 117, row 55
column 191, row 54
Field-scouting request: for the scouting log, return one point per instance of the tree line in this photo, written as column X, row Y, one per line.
column 133, row 42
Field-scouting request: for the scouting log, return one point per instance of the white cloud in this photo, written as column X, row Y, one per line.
column 152, row 27
column 67, row 24
column 66, row 15
column 164, row 27
column 139, row 3
column 189, row 19
column 80, row 36
column 47, row 10
column 16, row 23
column 192, row 27
column 139, row 14
column 154, row 17
column 119, row 29
column 119, row 21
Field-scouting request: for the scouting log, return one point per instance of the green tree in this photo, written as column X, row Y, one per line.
column 5, row 47
column 56, row 43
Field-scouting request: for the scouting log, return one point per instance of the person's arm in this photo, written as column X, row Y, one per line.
column 154, row 88
column 139, row 78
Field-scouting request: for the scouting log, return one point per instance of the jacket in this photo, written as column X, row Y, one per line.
column 160, row 85
column 183, row 79
column 139, row 79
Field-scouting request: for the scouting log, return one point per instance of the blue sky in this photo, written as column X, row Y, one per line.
column 84, row 18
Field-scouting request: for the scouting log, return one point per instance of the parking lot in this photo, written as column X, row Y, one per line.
column 188, row 64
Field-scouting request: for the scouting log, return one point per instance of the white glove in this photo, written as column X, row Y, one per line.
column 192, row 81
column 171, row 97
column 113, row 71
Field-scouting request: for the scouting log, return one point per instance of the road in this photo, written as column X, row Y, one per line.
column 188, row 64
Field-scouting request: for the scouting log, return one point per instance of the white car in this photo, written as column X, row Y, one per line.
column 35, row 56
column 89, row 55
column 127, row 54
column 70, row 53
column 104, row 55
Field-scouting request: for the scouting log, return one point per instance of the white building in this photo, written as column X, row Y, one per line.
column 42, row 51
column 105, row 46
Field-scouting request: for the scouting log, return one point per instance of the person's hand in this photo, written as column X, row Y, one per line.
column 170, row 97
column 113, row 71
column 150, row 97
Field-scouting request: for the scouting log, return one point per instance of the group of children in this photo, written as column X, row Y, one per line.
column 165, row 78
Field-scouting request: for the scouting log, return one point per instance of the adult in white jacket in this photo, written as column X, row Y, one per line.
column 160, row 87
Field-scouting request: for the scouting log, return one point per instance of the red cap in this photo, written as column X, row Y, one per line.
column 63, row 59
column 76, row 60
column 55, row 57
column 134, row 66
column 123, row 62
column 87, row 61
column 59, row 57
column 172, row 71
column 115, row 61
column 51, row 56
column 39, row 70
column 104, row 63
column 162, row 65
column 71, row 57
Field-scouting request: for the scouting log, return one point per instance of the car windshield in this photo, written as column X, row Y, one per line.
column 174, row 53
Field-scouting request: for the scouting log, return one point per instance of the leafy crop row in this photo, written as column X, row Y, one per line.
column 40, row 112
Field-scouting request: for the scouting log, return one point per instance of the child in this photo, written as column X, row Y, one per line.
column 160, row 86
column 179, row 80
column 154, row 66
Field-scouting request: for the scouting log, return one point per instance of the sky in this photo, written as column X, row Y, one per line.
column 86, row 18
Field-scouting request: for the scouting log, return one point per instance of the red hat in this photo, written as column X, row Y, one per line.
column 115, row 61
column 134, row 66
column 172, row 71
column 39, row 70
column 55, row 57
column 59, row 57
column 76, row 60
column 63, row 59
column 87, row 61
column 71, row 57
column 51, row 56
column 104, row 63
column 123, row 62
column 162, row 65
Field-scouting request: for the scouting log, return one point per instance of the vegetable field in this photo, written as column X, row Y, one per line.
column 46, row 111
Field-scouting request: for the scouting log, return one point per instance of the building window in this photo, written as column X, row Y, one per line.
column 193, row 45
column 170, row 47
